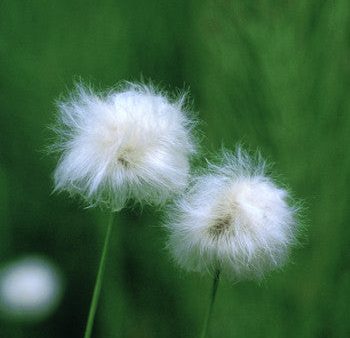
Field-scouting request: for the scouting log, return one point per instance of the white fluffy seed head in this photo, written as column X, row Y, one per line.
column 30, row 289
column 131, row 144
column 233, row 218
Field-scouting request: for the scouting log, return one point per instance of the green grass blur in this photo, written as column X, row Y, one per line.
column 273, row 75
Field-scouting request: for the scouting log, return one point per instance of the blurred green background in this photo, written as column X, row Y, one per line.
column 274, row 75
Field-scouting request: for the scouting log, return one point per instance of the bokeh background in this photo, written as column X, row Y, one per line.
column 274, row 75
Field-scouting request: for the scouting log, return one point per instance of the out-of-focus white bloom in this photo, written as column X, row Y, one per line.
column 30, row 289
column 233, row 218
column 134, row 143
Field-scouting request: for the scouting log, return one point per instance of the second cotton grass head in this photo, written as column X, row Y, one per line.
column 134, row 143
column 234, row 219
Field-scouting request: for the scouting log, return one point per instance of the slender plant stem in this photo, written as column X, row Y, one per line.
column 211, row 304
column 98, row 283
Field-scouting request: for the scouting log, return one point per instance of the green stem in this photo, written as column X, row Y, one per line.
column 98, row 283
column 211, row 304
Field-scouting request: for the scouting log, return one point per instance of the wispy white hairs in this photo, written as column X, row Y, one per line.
column 233, row 218
column 129, row 144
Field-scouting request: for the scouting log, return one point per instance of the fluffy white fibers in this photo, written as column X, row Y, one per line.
column 129, row 144
column 233, row 218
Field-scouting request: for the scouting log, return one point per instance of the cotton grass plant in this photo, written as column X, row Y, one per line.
column 233, row 220
column 129, row 144
column 134, row 143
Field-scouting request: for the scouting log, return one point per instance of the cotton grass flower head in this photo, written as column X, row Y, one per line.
column 30, row 289
column 233, row 218
column 133, row 143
